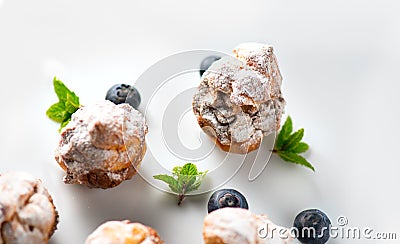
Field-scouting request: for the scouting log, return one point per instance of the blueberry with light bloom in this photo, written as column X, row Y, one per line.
column 317, row 224
column 207, row 62
column 227, row 198
column 123, row 93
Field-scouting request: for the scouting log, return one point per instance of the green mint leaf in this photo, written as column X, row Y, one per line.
column 57, row 112
column 284, row 132
column 189, row 169
column 197, row 183
column 295, row 158
column 185, row 182
column 293, row 140
column 72, row 103
column 68, row 103
column 300, row 148
column 171, row 181
column 190, row 178
column 184, row 179
column 176, row 170
column 288, row 145
column 64, row 123
column 73, row 99
column 60, row 89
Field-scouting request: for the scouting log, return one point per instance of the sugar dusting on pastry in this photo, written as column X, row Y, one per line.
column 239, row 100
column 240, row 226
column 102, row 145
column 121, row 232
column 27, row 212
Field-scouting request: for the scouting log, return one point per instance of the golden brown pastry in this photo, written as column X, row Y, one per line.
column 239, row 100
column 123, row 232
column 240, row 226
column 103, row 145
column 27, row 212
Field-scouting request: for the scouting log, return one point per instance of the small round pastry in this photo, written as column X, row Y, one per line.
column 27, row 212
column 240, row 226
column 121, row 232
column 239, row 100
column 102, row 145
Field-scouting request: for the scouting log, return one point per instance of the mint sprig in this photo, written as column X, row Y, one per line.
column 68, row 103
column 288, row 145
column 184, row 179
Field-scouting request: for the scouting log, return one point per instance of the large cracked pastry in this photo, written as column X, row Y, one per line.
column 122, row 232
column 27, row 212
column 102, row 145
column 240, row 226
column 239, row 100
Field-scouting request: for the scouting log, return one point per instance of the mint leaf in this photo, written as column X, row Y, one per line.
column 73, row 99
column 68, row 103
column 56, row 112
column 184, row 179
column 189, row 169
column 197, row 183
column 285, row 132
column 171, row 181
column 295, row 158
column 72, row 103
column 64, row 123
column 176, row 170
column 293, row 140
column 60, row 89
column 288, row 145
column 187, row 176
column 300, row 147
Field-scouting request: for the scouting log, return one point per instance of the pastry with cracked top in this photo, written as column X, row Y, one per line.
column 117, row 232
column 27, row 211
column 240, row 226
column 103, row 145
column 239, row 99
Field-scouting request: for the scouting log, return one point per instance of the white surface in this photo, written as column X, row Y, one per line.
column 339, row 61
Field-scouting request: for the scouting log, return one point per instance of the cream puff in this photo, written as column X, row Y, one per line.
column 123, row 232
column 102, row 145
column 239, row 100
column 240, row 226
column 27, row 211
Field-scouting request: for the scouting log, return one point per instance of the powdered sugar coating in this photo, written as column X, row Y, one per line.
column 261, row 58
column 121, row 232
column 27, row 212
column 230, row 225
column 234, row 77
column 239, row 101
column 240, row 226
column 249, row 88
column 102, row 145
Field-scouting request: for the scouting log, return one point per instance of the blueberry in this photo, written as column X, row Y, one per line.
column 317, row 224
column 122, row 93
column 226, row 198
column 207, row 62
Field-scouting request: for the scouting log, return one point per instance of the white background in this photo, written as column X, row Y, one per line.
column 339, row 59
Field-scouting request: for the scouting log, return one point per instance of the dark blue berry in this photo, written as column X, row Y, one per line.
column 316, row 224
column 226, row 198
column 207, row 62
column 122, row 93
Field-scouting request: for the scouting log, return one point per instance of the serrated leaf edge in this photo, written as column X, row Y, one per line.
column 301, row 147
column 288, row 157
column 285, row 132
column 293, row 140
